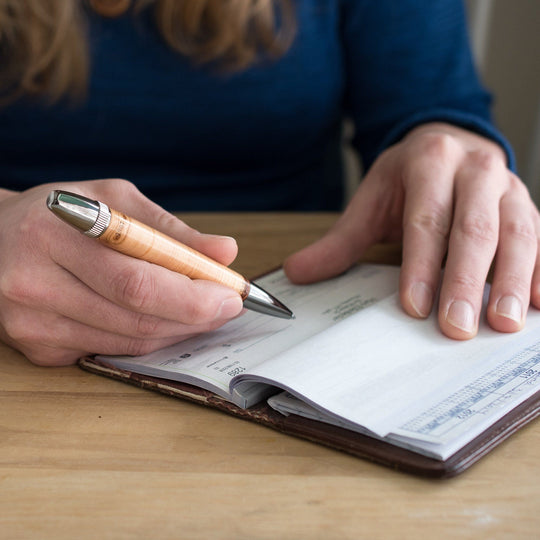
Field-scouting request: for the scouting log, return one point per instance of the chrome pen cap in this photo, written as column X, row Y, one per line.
column 88, row 216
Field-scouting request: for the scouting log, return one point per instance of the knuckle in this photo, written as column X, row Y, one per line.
column 18, row 328
column 467, row 281
column 520, row 229
column 485, row 160
column 433, row 220
column 32, row 233
column 439, row 146
column 147, row 326
column 14, row 330
column 478, row 228
column 14, row 287
column 516, row 184
column 166, row 221
column 119, row 187
column 138, row 347
column 31, row 222
column 136, row 289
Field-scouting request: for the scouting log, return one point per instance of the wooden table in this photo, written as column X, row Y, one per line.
column 82, row 456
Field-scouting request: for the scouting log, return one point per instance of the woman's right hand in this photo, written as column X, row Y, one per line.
column 64, row 295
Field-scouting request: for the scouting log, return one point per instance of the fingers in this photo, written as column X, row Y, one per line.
column 535, row 288
column 63, row 294
column 78, row 302
column 140, row 287
column 458, row 201
column 480, row 182
column 463, row 202
column 62, row 341
column 145, row 288
column 517, row 257
column 427, row 219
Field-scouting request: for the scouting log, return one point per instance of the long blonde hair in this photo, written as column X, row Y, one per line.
column 43, row 48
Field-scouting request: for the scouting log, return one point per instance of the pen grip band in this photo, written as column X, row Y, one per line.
column 129, row 236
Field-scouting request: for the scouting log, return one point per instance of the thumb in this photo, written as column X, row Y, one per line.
column 342, row 246
column 325, row 258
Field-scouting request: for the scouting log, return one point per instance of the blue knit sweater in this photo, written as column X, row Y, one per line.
column 194, row 138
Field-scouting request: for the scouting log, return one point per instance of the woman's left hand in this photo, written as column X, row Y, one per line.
column 444, row 192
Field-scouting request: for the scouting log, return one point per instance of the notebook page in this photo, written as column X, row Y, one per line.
column 212, row 360
column 381, row 369
column 440, row 424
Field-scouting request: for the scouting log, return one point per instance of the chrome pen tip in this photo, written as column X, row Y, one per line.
column 261, row 301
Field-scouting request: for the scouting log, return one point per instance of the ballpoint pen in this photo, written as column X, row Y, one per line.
column 129, row 236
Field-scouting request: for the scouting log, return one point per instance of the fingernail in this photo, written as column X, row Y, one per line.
column 230, row 308
column 421, row 299
column 219, row 237
column 461, row 315
column 509, row 307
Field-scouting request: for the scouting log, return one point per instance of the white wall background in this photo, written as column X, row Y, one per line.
column 505, row 35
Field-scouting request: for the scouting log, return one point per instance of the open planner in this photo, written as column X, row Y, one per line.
column 354, row 372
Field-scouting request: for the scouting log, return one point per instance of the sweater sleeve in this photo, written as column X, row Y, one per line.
column 409, row 62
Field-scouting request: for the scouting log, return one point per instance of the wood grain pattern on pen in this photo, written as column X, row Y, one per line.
column 133, row 238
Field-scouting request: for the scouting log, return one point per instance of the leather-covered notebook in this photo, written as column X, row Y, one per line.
column 355, row 373
column 335, row 437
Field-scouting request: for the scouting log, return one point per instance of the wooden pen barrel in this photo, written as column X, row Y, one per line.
column 133, row 238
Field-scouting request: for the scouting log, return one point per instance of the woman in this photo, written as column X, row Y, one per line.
column 238, row 105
